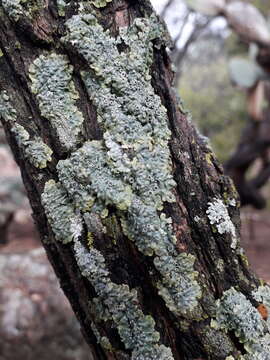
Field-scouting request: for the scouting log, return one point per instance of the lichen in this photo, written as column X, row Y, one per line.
column 66, row 224
column 218, row 215
column 262, row 295
column 102, row 340
column 100, row 3
column 236, row 313
column 17, row 9
column 36, row 151
column 52, row 83
column 7, row 111
column 13, row 8
column 216, row 342
column 131, row 167
column 61, row 5
column 137, row 331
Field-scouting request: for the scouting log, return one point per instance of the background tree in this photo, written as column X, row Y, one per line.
column 250, row 75
column 130, row 202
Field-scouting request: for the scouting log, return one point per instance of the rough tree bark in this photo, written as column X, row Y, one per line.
column 135, row 213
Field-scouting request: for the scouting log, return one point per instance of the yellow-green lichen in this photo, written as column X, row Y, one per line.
column 36, row 151
column 65, row 223
column 90, row 240
column 100, row 3
column 52, row 83
column 137, row 331
column 102, row 340
column 131, row 167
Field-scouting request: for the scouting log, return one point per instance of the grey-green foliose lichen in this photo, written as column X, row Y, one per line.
column 137, row 331
column 236, row 313
column 36, row 151
column 7, row 111
column 65, row 222
column 52, row 83
column 131, row 167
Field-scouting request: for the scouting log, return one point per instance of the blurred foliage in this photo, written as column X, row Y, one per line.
column 218, row 109
column 235, row 45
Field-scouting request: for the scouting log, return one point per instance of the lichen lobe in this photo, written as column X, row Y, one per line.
column 52, row 83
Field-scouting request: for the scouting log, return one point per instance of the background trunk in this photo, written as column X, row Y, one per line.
column 116, row 328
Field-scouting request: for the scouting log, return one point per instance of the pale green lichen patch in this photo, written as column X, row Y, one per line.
column 131, row 167
column 100, row 3
column 7, row 111
column 52, row 83
column 137, row 331
column 218, row 216
column 61, row 5
column 236, row 313
column 65, row 223
column 36, row 151
column 86, row 175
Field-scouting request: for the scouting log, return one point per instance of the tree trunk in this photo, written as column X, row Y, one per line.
column 136, row 215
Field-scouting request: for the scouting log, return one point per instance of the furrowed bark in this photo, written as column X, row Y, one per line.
column 134, row 211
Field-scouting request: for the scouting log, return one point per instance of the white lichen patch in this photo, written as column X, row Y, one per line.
column 137, row 331
column 52, row 83
column 36, row 151
column 100, row 3
column 7, row 111
column 218, row 216
column 235, row 312
column 65, row 223
column 131, row 167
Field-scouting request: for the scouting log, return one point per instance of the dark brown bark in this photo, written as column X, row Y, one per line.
column 199, row 177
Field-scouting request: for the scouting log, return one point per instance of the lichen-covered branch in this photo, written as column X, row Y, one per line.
column 137, row 218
